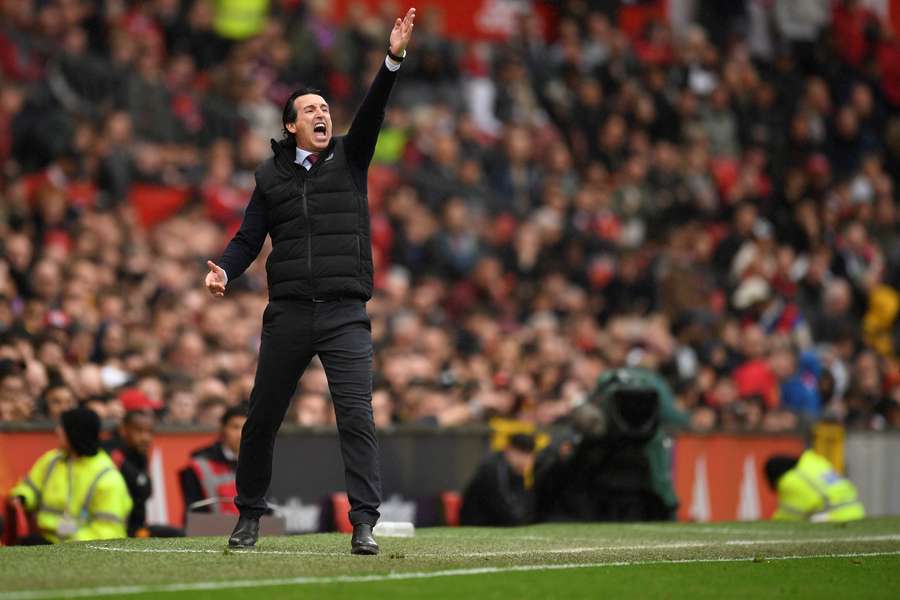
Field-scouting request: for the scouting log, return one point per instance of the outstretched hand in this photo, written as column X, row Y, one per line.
column 215, row 279
column 402, row 31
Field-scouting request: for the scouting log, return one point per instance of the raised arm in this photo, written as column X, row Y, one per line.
column 363, row 134
column 242, row 250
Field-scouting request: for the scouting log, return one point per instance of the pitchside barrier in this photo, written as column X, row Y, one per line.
column 871, row 463
column 718, row 477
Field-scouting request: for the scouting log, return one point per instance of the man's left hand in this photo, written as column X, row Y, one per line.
column 402, row 31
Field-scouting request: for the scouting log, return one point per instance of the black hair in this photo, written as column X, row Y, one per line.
column 53, row 384
column 11, row 368
column 101, row 397
column 289, row 112
column 82, row 427
column 522, row 442
column 777, row 466
column 239, row 410
column 308, row 392
column 131, row 415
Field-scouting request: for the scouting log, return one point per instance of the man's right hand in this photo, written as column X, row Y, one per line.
column 215, row 279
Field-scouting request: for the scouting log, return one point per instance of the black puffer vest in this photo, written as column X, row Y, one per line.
column 319, row 225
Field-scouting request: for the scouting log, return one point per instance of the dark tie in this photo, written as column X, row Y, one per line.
column 312, row 158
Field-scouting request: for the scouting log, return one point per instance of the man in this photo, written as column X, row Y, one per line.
column 14, row 400
column 211, row 475
column 75, row 490
column 210, row 411
column 57, row 399
column 311, row 199
column 129, row 449
column 809, row 489
column 657, row 447
column 312, row 409
column 613, row 464
column 182, row 407
column 501, row 491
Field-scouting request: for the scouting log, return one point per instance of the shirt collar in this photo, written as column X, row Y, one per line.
column 228, row 454
column 301, row 155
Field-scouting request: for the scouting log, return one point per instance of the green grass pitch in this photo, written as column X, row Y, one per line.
column 660, row 560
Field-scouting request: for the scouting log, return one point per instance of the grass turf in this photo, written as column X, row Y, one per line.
column 546, row 561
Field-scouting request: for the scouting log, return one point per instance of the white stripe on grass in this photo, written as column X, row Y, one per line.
column 709, row 529
column 288, row 581
column 249, row 552
column 576, row 550
column 532, row 552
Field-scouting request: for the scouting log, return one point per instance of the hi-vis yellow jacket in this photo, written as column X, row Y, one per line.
column 813, row 491
column 76, row 498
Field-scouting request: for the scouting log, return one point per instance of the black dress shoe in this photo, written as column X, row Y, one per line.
column 362, row 541
column 245, row 533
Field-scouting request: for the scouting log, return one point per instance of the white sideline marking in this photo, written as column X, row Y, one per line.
column 226, row 584
column 577, row 550
column 549, row 551
column 248, row 552
column 722, row 530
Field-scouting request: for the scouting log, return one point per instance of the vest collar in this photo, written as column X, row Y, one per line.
column 285, row 152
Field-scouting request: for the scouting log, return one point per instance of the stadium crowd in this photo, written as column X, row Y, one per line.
column 716, row 203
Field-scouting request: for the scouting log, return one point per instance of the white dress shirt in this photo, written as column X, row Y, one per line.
column 301, row 158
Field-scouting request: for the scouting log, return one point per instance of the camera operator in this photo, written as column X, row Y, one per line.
column 501, row 492
column 611, row 463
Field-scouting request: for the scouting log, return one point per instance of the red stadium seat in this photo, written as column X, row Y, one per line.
column 380, row 179
column 156, row 203
column 451, row 502
column 341, row 507
column 17, row 523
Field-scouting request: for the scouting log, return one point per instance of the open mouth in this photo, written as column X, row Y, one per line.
column 320, row 131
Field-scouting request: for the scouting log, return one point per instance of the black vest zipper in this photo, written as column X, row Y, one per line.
column 308, row 239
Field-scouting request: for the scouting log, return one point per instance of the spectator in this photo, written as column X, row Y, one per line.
column 799, row 390
column 182, row 408
column 313, row 409
column 382, row 408
column 15, row 404
column 57, row 399
column 835, row 318
column 129, row 448
column 208, row 483
column 210, row 411
column 500, row 493
column 800, row 22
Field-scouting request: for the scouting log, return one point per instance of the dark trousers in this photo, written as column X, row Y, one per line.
column 293, row 331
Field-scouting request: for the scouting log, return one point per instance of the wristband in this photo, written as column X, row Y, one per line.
column 394, row 57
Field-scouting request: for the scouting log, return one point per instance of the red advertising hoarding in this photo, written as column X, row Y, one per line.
column 717, row 477
column 171, row 452
column 720, row 477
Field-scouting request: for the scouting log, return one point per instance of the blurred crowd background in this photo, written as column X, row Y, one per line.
column 716, row 201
